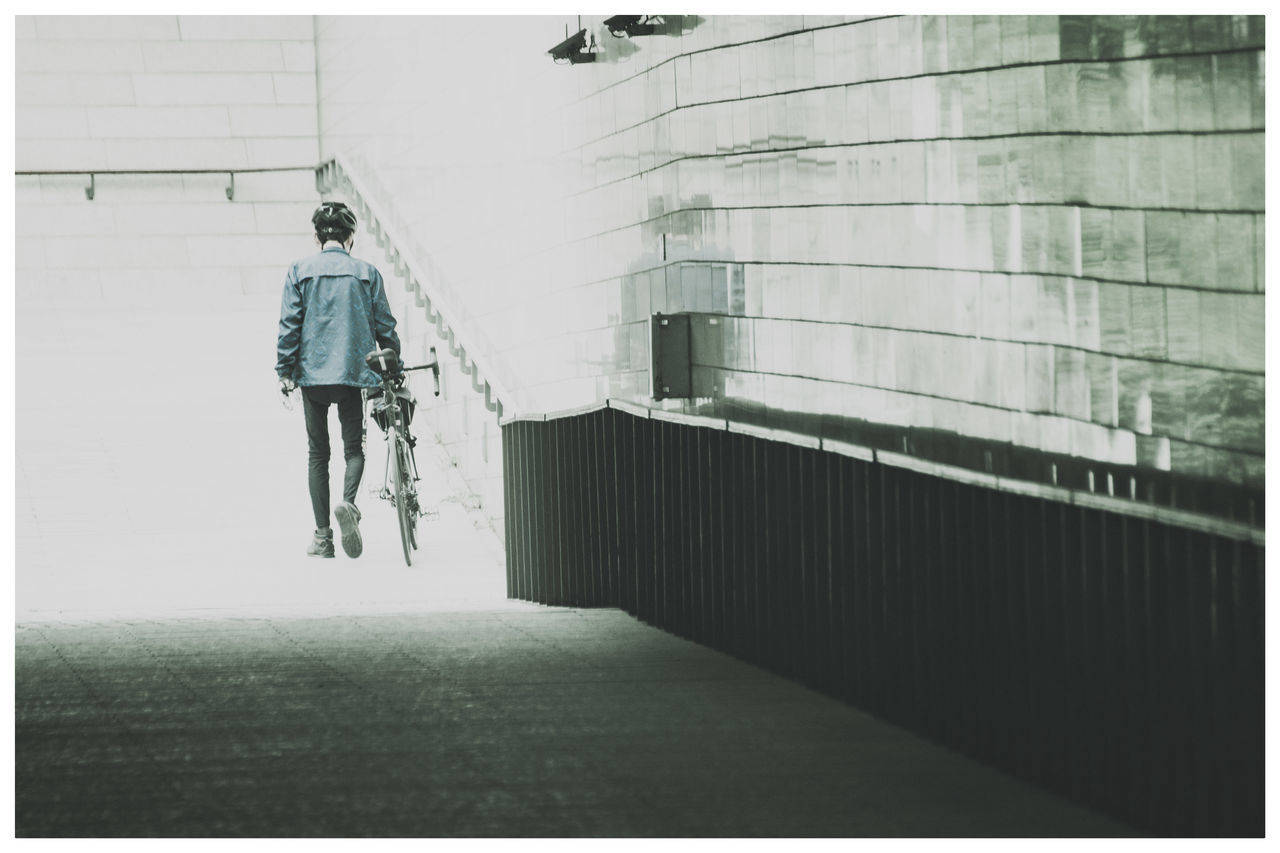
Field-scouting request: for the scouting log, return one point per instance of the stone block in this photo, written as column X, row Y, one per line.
column 1251, row 314
column 912, row 173
column 40, row 122
column 934, row 37
column 888, row 55
column 1044, row 38
column 1065, row 241
column 1211, row 33
column 1248, row 174
column 73, row 89
column 1014, row 43
column 1085, row 314
column 1149, row 338
column 164, row 154
column 1070, row 384
column 1258, row 92
column 246, row 249
column 1259, row 248
column 910, row 46
column 1114, row 318
column 960, row 42
column 857, row 114
column 1173, row 33
column 295, row 88
column 203, row 89
column 1078, row 168
column 976, row 94
column 1054, row 322
column 1103, row 397
column 991, row 173
column 1130, row 86
column 1178, row 164
column 1093, row 96
column 925, row 121
column 29, row 253
column 158, row 122
column 207, row 218
column 73, row 218
column 1010, row 360
column 1110, row 184
column 273, row 121
column 986, row 41
column 246, row 27
column 1146, row 172
column 1236, row 253
column 1161, row 102
column 1232, row 103
column 78, row 57
column 1048, row 182
column 1183, row 313
column 1195, row 93
column 1003, row 90
column 1140, row 36
column 107, row 27
column 1225, row 410
column 59, row 154
column 227, row 57
column 1169, row 384
column 1163, row 231
column 1032, row 99
column 1214, row 173
column 1039, row 378
column 272, row 153
column 1219, row 335
column 110, row 253
column 994, row 309
column 879, row 112
column 1075, row 37
column 1020, row 156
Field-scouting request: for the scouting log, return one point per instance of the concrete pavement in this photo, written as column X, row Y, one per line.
column 182, row 669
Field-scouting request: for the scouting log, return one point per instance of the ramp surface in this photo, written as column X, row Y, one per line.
column 182, row 669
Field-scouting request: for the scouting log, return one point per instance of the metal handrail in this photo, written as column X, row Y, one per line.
column 497, row 397
column 91, row 190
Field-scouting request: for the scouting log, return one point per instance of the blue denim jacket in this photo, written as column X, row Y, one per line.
column 334, row 311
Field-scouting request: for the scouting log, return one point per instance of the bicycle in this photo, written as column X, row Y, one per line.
column 391, row 406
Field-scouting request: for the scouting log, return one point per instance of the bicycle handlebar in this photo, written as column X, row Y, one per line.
column 433, row 366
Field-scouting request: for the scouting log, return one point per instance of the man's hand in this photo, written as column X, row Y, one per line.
column 287, row 385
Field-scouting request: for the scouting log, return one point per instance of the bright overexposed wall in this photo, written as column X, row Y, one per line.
column 158, row 93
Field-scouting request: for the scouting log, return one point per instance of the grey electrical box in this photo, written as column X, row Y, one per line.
column 670, row 372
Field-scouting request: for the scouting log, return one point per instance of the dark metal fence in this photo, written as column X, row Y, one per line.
column 1115, row 660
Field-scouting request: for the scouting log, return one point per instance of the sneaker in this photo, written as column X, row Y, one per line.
column 349, row 520
column 321, row 543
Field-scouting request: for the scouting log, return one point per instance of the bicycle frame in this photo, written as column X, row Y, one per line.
column 402, row 493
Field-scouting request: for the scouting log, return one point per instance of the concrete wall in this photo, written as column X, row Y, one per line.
column 163, row 92
column 1039, row 231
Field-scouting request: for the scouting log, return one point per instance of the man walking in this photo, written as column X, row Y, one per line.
column 334, row 311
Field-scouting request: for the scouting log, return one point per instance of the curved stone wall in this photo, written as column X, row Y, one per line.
column 1036, row 233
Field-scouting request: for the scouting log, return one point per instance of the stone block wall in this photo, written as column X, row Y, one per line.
column 1042, row 232
column 154, row 93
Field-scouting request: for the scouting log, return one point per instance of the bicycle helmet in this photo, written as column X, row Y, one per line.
column 333, row 220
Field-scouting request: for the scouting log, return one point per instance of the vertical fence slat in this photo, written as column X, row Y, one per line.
column 1116, row 661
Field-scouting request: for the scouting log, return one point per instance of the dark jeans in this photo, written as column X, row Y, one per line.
column 315, row 408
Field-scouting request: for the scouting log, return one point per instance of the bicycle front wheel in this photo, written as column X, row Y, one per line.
column 402, row 480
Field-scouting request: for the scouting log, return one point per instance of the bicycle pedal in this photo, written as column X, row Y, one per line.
column 431, row 515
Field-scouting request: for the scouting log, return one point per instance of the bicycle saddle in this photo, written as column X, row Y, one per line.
column 384, row 361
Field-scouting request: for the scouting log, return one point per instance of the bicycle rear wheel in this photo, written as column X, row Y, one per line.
column 411, row 490
column 405, row 511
